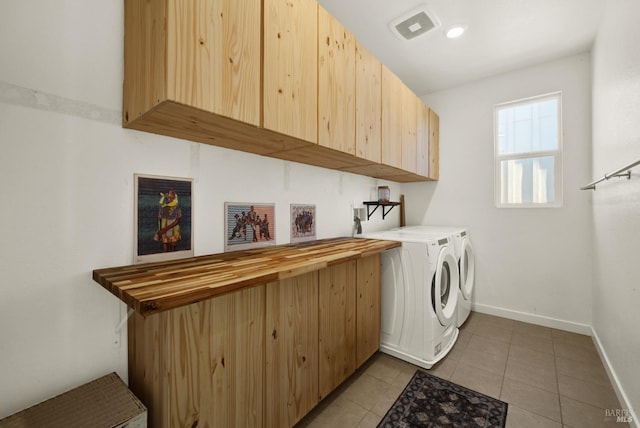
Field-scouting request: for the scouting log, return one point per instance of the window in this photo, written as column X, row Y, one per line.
column 528, row 152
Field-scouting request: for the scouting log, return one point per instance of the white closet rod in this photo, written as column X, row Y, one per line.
column 617, row 173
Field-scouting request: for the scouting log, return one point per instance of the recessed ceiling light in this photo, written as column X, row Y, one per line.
column 455, row 31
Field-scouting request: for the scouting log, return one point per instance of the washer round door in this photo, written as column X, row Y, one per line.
column 444, row 287
column 467, row 269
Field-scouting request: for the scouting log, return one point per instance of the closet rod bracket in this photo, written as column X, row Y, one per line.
column 625, row 171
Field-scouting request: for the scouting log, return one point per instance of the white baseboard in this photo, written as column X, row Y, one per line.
column 622, row 397
column 574, row 328
column 534, row 319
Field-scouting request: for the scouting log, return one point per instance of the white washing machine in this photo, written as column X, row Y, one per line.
column 419, row 297
column 465, row 259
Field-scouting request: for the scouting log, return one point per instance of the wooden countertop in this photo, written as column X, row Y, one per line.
column 154, row 287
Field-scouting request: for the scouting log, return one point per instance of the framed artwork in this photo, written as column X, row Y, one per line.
column 249, row 225
column 163, row 218
column 303, row 222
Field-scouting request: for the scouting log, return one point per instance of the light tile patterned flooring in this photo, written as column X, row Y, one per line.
column 550, row 378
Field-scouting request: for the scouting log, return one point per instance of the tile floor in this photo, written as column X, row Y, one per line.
column 550, row 378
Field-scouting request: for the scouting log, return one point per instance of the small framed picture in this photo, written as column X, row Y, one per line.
column 163, row 218
column 249, row 225
column 303, row 222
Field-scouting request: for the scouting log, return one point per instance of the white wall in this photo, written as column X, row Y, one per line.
column 531, row 264
column 616, row 203
column 67, row 194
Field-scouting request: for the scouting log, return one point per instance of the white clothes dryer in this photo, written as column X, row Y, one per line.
column 465, row 259
column 419, row 297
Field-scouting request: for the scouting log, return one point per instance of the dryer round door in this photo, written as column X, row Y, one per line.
column 444, row 287
column 467, row 269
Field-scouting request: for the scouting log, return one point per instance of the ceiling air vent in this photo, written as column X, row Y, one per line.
column 413, row 24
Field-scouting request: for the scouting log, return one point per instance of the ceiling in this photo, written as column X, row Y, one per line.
column 502, row 35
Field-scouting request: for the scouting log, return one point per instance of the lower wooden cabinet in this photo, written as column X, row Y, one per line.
column 337, row 325
column 201, row 364
column 260, row 356
column 291, row 388
column 368, row 310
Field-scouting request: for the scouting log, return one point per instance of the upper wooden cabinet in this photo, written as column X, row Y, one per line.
column 336, row 84
column 193, row 70
column 368, row 105
column 434, row 144
column 410, row 105
column 291, row 68
column 422, row 140
column 203, row 54
column 392, row 89
column 279, row 78
column 410, row 132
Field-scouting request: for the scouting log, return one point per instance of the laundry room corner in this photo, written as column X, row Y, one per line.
column 532, row 264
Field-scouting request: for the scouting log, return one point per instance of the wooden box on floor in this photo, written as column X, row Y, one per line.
column 102, row 403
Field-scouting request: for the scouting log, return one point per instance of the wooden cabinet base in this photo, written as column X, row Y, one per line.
column 292, row 349
column 336, row 325
column 259, row 356
column 368, row 309
column 201, row 364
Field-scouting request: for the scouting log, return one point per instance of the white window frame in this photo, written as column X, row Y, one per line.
column 557, row 154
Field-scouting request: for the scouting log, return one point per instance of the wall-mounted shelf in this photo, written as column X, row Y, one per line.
column 386, row 207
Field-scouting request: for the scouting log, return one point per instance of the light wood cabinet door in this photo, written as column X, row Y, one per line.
column 201, row 364
column 213, row 56
column 290, row 92
column 144, row 84
column 292, row 349
column 409, row 130
column 422, row 134
column 368, row 310
column 336, row 85
column 336, row 325
column 368, row 105
column 203, row 54
column 392, row 88
column 434, row 142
